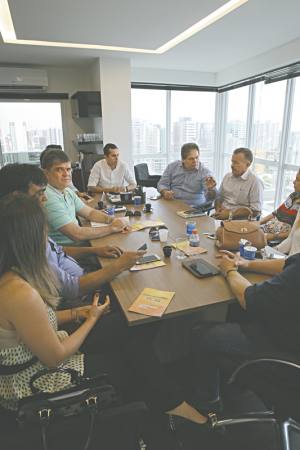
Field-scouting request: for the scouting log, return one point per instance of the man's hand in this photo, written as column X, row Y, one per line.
column 221, row 214
column 120, row 224
column 108, row 251
column 239, row 262
column 128, row 259
column 210, row 183
column 226, row 263
column 168, row 195
column 116, row 189
column 84, row 196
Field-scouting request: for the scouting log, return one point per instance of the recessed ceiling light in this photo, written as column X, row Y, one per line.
column 9, row 36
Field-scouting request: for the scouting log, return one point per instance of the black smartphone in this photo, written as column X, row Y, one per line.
column 148, row 259
column 143, row 247
column 201, row 269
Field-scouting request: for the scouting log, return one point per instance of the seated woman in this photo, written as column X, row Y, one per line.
column 291, row 244
column 29, row 336
column 277, row 225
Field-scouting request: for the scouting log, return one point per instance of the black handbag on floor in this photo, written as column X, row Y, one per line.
column 86, row 395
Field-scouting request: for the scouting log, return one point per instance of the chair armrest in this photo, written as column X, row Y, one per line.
column 278, row 359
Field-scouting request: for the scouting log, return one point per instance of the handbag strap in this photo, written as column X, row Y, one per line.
column 76, row 377
column 15, row 368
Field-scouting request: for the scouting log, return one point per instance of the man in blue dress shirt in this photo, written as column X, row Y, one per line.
column 188, row 180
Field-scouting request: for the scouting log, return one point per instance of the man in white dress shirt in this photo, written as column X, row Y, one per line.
column 240, row 188
column 110, row 174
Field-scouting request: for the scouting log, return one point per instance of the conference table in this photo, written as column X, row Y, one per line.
column 191, row 293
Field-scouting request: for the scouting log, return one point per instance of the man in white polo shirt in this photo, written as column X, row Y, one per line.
column 240, row 188
column 110, row 174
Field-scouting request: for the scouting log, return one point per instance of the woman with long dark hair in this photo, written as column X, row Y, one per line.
column 29, row 335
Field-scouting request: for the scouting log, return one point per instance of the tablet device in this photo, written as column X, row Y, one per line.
column 200, row 268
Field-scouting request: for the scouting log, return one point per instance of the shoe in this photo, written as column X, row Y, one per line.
column 177, row 422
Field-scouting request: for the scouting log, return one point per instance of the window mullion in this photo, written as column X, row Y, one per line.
column 250, row 115
column 168, row 126
column 286, row 125
column 220, row 125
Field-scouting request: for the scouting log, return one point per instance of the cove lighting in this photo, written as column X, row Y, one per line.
column 9, row 36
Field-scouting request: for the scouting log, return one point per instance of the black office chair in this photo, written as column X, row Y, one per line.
column 143, row 178
column 276, row 381
column 87, row 163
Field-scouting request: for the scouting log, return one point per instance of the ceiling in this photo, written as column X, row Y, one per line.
column 256, row 27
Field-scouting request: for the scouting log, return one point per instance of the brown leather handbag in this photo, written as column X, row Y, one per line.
column 230, row 232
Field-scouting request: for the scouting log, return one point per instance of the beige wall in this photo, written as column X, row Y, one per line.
column 69, row 80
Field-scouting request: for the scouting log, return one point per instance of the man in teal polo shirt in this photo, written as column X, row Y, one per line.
column 63, row 205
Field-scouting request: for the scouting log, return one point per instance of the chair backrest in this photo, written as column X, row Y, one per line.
column 143, row 178
column 141, row 173
column 87, row 163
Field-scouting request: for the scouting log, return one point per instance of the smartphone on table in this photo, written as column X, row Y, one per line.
column 148, row 259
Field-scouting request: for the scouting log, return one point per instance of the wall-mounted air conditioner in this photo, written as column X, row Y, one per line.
column 23, row 79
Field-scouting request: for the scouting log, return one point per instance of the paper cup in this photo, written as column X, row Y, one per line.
column 163, row 235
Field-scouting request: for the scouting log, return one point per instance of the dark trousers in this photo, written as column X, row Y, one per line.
column 128, row 356
column 219, row 348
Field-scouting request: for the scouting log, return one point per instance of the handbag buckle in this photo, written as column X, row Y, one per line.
column 92, row 401
column 45, row 413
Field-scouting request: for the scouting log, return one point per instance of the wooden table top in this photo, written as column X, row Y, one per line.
column 191, row 293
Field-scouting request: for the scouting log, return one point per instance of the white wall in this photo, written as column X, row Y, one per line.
column 69, row 80
column 146, row 75
column 115, row 79
column 280, row 56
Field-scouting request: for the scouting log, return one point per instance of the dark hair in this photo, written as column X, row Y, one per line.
column 108, row 147
column 246, row 152
column 49, row 147
column 187, row 148
column 52, row 156
column 19, row 177
column 23, row 244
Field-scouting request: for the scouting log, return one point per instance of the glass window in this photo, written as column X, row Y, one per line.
column 236, row 123
column 293, row 147
column 26, row 128
column 288, row 187
column 267, row 122
column 268, row 174
column 193, row 120
column 149, row 128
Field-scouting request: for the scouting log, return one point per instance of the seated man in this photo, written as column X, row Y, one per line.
column 278, row 224
column 110, row 174
column 63, row 205
column 240, row 188
column 74, row 281
column 188, row 179
column 270, row 320
column 82, row 195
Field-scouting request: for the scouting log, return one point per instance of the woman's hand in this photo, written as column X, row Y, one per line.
column 95, row 310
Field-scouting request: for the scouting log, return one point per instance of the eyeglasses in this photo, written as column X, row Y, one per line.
column 40, row 193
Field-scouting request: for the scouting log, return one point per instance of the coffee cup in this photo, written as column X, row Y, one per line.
column 148, row 207
column 137, row 200
column 167, row 249
column 250, row 252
